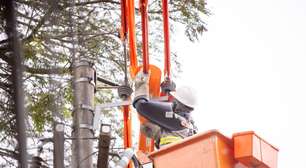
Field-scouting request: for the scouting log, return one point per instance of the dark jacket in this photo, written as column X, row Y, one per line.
column 162, row 114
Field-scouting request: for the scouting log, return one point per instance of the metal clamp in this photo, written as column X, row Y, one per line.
column 86, row 79
column 82, row 126
column 87, row 107
column 83, row 62
column 85, row 126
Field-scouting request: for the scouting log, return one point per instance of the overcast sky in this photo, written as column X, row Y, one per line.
column 250, row 71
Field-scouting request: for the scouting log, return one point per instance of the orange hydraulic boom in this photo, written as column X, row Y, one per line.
column 128, row 31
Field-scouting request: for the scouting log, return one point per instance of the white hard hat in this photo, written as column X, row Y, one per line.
column 185, row 95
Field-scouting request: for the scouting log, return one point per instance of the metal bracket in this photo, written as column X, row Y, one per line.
column 86, row 79
column 83, row 126
column 87, row 107
column 97, row 112
column 114, row 104
column 86, row 126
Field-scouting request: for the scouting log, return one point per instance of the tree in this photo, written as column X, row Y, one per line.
column 45, row 30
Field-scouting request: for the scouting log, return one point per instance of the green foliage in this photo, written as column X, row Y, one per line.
column 68, row 98
column 190, row 13
column 41, row 110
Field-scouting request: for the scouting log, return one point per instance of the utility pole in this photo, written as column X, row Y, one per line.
column 84, row 89
column 17, row 73
column 36, row 162
column 104, row 145
column 58, row 126
column 58, row 144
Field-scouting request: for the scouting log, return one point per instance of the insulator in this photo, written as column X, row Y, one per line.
column 125, row 91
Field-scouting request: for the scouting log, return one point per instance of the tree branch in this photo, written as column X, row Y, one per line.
column 39, row 25
column 97, row 1
column 8, row 153
column 47, row 71
column 5, row 57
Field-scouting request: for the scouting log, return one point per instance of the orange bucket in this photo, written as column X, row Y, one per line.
column 206, row 150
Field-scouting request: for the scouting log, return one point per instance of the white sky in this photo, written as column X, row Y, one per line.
column 250, row 71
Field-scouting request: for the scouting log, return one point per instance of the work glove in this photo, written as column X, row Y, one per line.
column 150, row 130
column 185, row 123
column 142, row 86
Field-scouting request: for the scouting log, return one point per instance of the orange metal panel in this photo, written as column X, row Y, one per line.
column 256, row 153
column 269, row 154
column 224, row 153
column 248, row 153
column 241, row 151
column 240, row 165
column 253, row 151
column 206, row 150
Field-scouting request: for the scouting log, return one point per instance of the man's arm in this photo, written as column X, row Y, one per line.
column 159, row 113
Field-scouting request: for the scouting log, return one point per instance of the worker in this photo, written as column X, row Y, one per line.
column 168, row 122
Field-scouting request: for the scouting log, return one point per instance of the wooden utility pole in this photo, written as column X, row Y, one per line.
column 17, row 74
column 36, row 162
column 104, row 145
column 58, row 126
column 84, row 88
column 58, row 138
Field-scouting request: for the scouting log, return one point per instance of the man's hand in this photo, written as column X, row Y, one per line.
column 185, row 124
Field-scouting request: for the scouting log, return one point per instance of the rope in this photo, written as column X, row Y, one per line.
column 125, row 62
